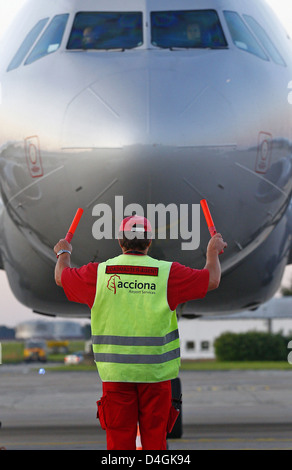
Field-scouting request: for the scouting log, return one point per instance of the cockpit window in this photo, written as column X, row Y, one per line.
column 51, row 39
column 27, row 44
column 187, row 29
column 106, row 30
column 241, row 35
column 265, row 40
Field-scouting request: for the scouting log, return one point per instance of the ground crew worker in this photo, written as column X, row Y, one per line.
column 133, row 299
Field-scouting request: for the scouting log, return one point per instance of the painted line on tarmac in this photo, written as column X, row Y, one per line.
column 13, row 444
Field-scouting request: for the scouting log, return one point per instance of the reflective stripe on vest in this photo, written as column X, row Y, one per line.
column 134, row 333
column 135, row 340
column 138, row 358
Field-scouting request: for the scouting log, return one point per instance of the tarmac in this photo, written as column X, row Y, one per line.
column 222, row 410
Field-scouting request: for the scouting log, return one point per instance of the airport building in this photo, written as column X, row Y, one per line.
column 48, row 329
column 197, row 336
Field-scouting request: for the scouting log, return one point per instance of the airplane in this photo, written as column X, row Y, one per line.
column 155, row 102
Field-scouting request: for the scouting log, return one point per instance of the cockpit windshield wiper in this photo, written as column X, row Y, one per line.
column 118, row 49
column 91, row 49
column 185, row 48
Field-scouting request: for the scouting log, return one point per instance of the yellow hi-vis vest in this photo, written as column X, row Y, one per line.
column 134, row 332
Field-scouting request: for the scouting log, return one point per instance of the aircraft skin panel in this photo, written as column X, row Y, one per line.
column 1, row 230
column 83, row 127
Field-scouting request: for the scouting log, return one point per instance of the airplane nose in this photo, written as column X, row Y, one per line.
column 140, row 131
column 150, row 104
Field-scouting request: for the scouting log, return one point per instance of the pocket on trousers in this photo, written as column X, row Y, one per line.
column 100, row 412
column 172, row 417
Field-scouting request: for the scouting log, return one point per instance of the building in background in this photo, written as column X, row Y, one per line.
column 48, row 330
column 197, row 336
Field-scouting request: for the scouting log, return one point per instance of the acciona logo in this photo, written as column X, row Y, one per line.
column 114, row 283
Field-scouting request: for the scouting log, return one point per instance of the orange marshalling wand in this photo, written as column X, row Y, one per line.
column 208, row 217
column 74, row 224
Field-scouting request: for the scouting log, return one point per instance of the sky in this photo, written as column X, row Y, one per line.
column 13, row 312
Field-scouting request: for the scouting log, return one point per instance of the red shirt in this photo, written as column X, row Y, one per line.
column 184, row 284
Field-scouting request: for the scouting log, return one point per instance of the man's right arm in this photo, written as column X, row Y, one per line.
column 215, row 246
column 63, row 261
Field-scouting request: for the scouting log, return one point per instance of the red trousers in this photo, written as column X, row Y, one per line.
column 124, row 405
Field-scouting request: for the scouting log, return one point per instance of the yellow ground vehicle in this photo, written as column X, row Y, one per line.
column 58, row 346
column 35, row 350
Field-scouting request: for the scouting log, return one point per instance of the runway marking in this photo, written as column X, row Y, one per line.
column 246, row 388
column 233, row 439
column 241, row 439
column 174, row 444
column 203, row 439
column 7, row 444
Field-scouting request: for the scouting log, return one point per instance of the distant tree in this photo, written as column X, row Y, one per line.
column 286, row 291
column 86, row 330
column 7, row 333
column 250, row 346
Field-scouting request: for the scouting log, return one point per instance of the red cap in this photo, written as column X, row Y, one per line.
column 135, row 223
